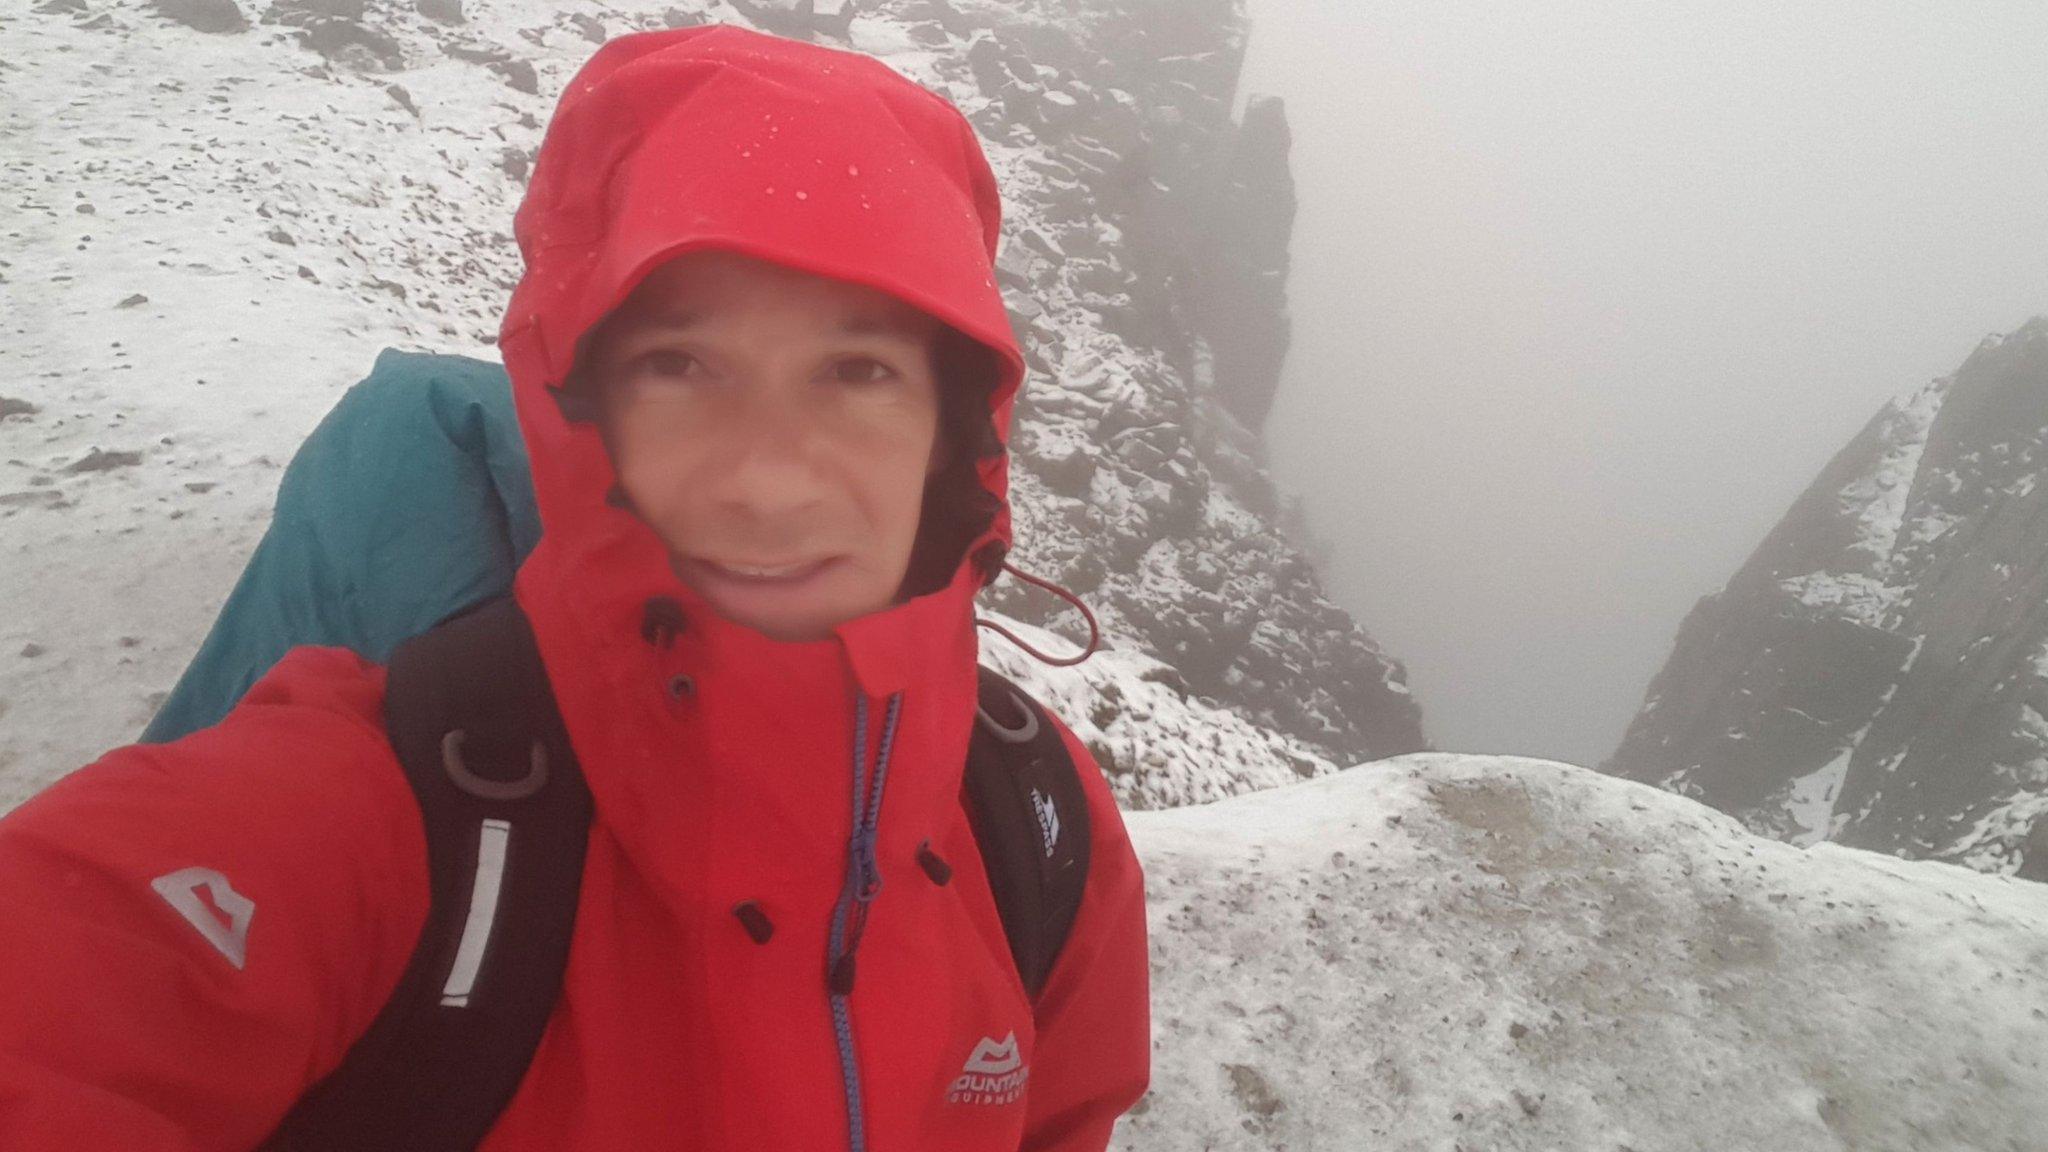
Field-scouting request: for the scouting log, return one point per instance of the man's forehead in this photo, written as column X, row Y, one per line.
column 851, row 320
column 696, row 289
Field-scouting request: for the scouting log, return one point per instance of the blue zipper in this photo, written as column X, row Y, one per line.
column 850, row 914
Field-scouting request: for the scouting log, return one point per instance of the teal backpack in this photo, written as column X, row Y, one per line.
column 433, row 435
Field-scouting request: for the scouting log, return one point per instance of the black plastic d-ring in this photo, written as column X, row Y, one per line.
column 535, row 779
column 1024, row 733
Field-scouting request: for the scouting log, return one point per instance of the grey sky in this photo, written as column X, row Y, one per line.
column 1586, row 293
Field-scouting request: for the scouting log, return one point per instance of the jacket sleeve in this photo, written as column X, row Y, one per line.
column 197, row 931
column 1093, row 1055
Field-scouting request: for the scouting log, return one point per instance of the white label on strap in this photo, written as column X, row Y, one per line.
column 1048, row 820
column 483, row 912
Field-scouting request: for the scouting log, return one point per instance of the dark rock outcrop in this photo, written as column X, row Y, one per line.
column 1145, row 259
column 1877, row 673
column 441, row 11
column 1237, row 278
column 801, row 19
column 218, row 16
column 344, row 31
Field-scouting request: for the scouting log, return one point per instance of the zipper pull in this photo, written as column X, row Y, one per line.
column 839, row 981
column 865, row 866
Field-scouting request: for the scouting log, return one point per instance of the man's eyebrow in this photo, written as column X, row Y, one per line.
column 677, row 319
column 870, row 324
column 910, row 328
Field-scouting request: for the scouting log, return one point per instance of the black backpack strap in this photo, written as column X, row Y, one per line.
column 507, row 817
column 1030, row 819
column 474, row 722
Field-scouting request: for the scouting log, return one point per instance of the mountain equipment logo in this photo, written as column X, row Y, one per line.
column 994, row 1074
column 1048, row 820
column 181, row 890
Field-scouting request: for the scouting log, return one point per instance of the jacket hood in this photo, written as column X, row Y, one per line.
column 819, row 159
column 713, row 751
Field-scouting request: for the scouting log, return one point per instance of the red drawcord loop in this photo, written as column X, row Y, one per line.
column 1094, row 633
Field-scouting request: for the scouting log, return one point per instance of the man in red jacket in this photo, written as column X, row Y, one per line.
column 765, row 378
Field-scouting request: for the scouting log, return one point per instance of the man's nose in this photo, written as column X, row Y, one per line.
column 769, row 467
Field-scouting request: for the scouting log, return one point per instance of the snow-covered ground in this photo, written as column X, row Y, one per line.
column 1159, row 745
column 188, row 284
column 1476, row 952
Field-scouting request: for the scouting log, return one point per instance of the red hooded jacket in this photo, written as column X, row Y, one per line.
column 196, row 932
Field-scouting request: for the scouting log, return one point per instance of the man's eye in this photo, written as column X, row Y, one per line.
column 668, row 363
column 861, row 370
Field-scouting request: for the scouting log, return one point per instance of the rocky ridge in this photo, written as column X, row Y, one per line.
column 1877, row 673
column 280, row 194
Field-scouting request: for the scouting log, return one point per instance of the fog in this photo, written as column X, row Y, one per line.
column 1585, row 294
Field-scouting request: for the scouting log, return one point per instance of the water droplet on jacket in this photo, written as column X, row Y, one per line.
column 802, row 195
column 852, row 171
column 769, row 190
column 745, row 153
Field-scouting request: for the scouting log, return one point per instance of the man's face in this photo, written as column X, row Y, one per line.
column 776, row 429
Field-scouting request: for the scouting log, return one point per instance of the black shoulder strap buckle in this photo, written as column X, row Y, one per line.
column 507, row 817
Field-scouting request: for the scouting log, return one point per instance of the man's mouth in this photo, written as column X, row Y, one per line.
column 793, row 572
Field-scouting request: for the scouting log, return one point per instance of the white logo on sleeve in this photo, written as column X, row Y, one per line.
column 994, row 1074
column 222, row 914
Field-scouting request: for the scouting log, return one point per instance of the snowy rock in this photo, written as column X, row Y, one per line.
column 1442, row 951
column 1058, row 109
column 218, row 16
column 443, row 11
column 520, row 74
column 799, row 18
column 347, row 42
column 516, row 162
column 1159, row 744
column 98, row 460
column 1877, row 672
column 985, row 59
column 309, row 11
